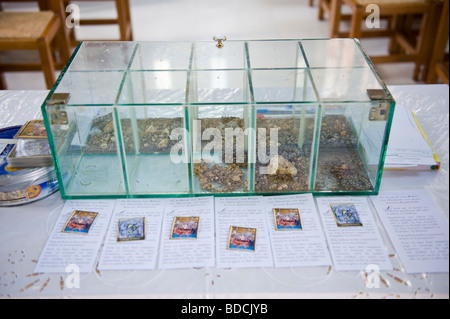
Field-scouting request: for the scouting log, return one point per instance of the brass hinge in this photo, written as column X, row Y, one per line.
column 57, row 116
column 381, row 112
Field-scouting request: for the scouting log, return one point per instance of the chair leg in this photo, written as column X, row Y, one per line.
column 62, row 43
column 439, row 47
column 335, row 17
column 428, row 37
column 421, row 49
column 63, row 40
column 2, row 81
column 128, row 11
column 123, row 16
column 321, row 12
column 394, row 24
column 48, row 65
column 43, row 5
column 357, row 17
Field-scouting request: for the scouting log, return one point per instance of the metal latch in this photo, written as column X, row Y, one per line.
column 57, row 116
column 381, row 112
column 377, row 95
column 58, row 98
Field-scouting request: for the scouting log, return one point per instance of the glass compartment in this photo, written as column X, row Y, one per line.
column 142, row 119
column 87, row 152
column 220, row 118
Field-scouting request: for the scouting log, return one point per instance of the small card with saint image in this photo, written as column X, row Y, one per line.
column 131, row 229
column 184, row 227
column 346, row 215
column 79, row 222
column 34, row 129
column 287, row 219
column 241, row 238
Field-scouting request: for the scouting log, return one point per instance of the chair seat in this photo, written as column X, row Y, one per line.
column 389, row 2
column 24, row 25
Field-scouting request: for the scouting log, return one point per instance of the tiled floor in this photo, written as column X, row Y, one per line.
column 176, row 20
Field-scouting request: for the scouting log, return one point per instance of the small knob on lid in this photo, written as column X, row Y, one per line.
column 219, row 39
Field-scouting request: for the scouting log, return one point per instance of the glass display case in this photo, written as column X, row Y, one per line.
column 142, row 119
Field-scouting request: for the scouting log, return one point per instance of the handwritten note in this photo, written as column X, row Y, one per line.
column 353, row 236
column 417, row 228
column 64, row 249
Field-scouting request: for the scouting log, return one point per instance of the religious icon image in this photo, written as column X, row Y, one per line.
column 79, row 222
column 241, row 238
column 346, row 215
column 33, row 129
column 184, row 227
column 131, row 229
column 287, row 219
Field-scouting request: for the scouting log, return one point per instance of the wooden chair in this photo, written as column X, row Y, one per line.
column 123, row 19
column 2, row 82
column 439, row 64
column 32, row 31
column 335, row 15
column 403, row 47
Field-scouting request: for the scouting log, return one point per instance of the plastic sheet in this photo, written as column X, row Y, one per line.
column 15, row 106
column 430, row 104
column 24, row 244
column 24, row 185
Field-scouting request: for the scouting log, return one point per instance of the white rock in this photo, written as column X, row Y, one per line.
column 278, row 165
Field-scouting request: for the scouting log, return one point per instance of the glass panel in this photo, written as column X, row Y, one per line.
column 275, row 54
column 154, row 139
column 333, row 53
column 344, row 84
column 373, row 136
column 87, row 151
column 154, row 87
column 221, row 144
column 208, row 56
column 285, row 135
column 162, row 56
column 104, row 56
column 219, row 87
column 91, row 88
column 282, row 86
column 346, row 136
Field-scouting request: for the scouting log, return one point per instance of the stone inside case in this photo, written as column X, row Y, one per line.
column 136, row 127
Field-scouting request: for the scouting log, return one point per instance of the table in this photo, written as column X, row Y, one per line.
column 24, row 231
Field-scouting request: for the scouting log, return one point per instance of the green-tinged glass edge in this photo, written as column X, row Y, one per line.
column 48, row 126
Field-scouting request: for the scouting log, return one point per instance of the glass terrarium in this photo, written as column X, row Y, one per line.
column 142, row 119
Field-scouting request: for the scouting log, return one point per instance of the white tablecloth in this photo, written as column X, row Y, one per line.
column 24, row 231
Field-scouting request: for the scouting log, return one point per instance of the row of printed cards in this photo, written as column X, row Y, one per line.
column 224, row 232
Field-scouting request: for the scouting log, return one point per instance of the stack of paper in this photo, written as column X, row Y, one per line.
column 409, row 148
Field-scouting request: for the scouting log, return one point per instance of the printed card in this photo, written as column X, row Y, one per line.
column 79, row 222
column 33, row 129
column 184, row 228
column 131, row 229
column 346, row 215
column 242, row 238
column 287, row 219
